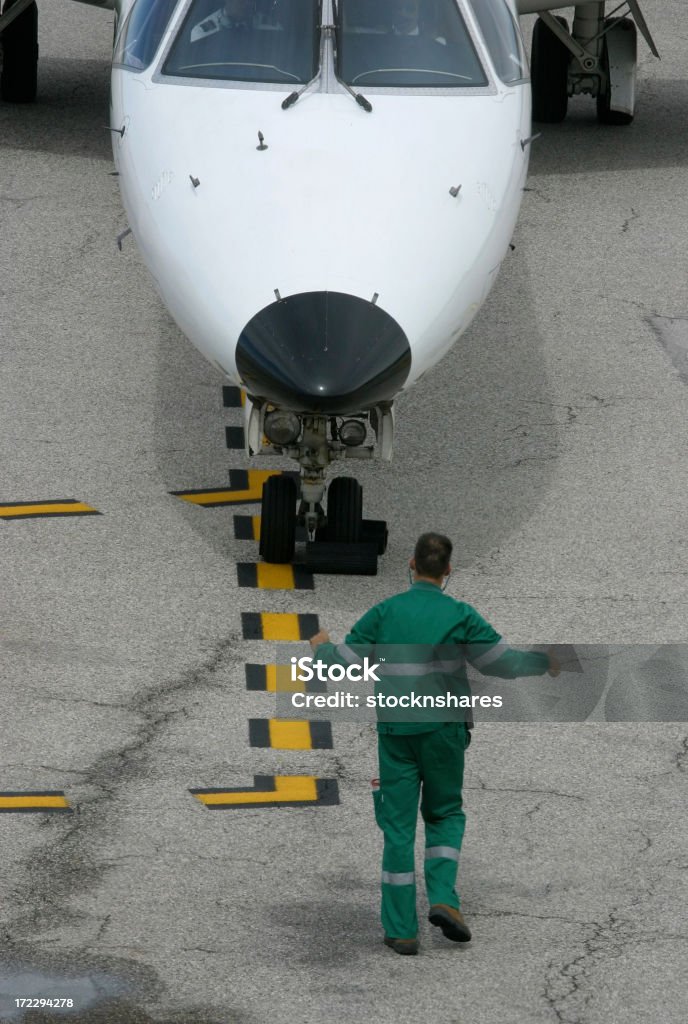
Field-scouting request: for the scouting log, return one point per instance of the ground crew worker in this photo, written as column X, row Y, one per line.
column 427, row 754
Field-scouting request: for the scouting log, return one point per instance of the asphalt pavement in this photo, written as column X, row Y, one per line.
column 550, row 444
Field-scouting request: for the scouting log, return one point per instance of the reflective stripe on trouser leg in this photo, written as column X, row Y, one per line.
column 399, row 918
column 441, row 868
column 399, row 791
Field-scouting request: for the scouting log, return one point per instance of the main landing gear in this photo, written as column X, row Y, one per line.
column 338, row 538
column 19, row 53
column 597, row 57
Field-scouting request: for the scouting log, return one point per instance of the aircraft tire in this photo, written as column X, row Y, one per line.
column 278, row 520
column 549, row 68
column 341, row 559
column 345, row 510
column 374, row 531
column 604, row 114
column 19, row 76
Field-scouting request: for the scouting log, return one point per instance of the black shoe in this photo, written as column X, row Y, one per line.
column 451, row 921
column 407, row 947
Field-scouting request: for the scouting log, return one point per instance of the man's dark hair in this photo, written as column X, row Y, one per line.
column 432, row 554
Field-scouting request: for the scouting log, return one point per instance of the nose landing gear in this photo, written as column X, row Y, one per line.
column 338, row 539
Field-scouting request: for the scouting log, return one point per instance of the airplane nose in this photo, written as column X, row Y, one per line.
column 323, row 352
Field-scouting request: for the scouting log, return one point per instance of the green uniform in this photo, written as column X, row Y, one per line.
column 426, row 755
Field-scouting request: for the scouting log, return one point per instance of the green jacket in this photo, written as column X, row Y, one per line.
column 420, row 631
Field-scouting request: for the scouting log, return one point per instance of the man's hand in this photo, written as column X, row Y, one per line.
column 554, row 666
column 323, row 637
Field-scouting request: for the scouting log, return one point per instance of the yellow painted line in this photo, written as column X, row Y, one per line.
column 280, row 626
column 254, row 491
column 44, row 508
column 278, row 680
column 275, row 577
column 255, row 525
column 287, row 788
column 21, row 801
column 290, row 735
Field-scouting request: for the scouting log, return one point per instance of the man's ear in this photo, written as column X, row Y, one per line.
column 449, row 569
column 412, row 565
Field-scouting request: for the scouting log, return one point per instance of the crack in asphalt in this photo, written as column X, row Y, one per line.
column 608, row 940
column 68, row 858
column 564, row 983
column 528, row 792
column 629, row 220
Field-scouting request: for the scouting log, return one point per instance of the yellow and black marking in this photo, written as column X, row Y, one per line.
column 51, row 800
column 233, row 397
column 267, row 576
column 277, row 679
column 234, row 437
column 248, row 528
column 54, row 507
column 289, row 734
column 278, row 626
column 272, row 791
column 245, row 486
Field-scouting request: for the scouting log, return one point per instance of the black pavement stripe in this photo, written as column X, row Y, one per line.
column 234, row 437
column 247, row 575
column 245, row 527
column 231, row 397
column 259, row 732
column 321, row 735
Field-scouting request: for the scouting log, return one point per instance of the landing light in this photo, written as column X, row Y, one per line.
column 282, row 427
column 352, row 433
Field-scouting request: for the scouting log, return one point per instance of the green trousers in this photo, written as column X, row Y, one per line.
column 434, row 762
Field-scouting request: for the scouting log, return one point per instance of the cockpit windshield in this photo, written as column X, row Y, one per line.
column 411, row 43
column 248, row 41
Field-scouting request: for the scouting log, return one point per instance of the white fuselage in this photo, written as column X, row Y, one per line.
column 341, row 200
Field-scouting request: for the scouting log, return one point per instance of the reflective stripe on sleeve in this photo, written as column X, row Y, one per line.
column 494, row 652
column 348, row 654
column 399, row 877
column 448, row 852
column 422, row 668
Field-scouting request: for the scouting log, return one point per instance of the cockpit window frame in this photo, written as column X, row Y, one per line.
column 489, row 88
column 329, row 82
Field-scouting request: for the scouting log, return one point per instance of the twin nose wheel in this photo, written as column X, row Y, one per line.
column 344, row 541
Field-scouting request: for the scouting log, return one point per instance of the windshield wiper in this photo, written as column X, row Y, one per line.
column 358, row 96
column 293, row 96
